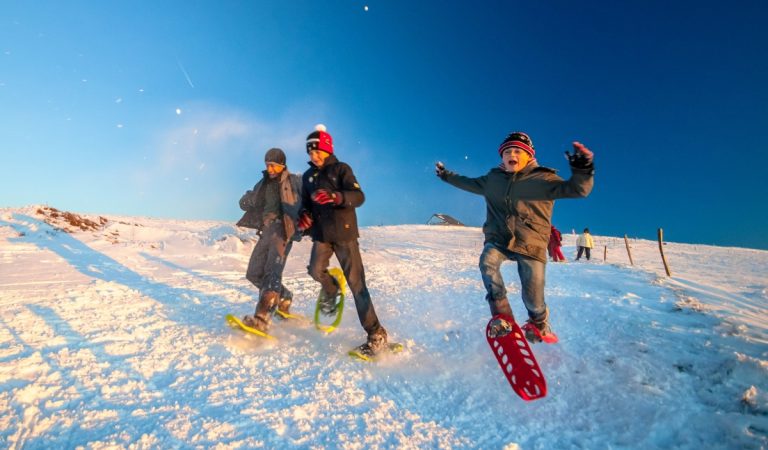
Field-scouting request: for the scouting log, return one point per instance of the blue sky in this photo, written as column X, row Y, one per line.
column 166, row 108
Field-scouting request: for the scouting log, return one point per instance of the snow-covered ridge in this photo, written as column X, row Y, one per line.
column 113, row 337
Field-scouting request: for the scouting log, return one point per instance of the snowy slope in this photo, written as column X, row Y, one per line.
column 114, row 338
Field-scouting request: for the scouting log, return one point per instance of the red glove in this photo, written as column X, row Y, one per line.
column 305, row 222
column 324, row 197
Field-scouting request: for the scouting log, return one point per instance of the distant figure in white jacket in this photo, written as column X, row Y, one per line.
column 585, row 244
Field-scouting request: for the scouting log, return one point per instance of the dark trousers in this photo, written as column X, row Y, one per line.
column 348, row 254
column 265, row 269
column 586, row 250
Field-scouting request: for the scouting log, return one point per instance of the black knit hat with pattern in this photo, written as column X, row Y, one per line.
column 519, row 140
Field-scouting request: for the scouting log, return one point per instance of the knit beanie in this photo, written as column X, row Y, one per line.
column 320, row 140
column 520, row 140
column 275, row 155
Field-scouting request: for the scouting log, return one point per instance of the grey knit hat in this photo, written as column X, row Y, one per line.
column 275, row 155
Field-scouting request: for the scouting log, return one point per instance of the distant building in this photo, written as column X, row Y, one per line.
column 444, row 219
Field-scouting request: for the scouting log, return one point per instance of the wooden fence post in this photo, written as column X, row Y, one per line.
column 605, row 253
column 629, row 252
column 661, row 250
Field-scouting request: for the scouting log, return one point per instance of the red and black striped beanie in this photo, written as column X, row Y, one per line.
column 520, row 140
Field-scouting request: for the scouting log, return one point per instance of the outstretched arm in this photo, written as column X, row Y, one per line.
column 582, row 174
column 582, row 171
column 473, row 185
column 582, row 156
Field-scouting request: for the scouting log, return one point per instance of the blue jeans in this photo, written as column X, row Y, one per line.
column 531, row 273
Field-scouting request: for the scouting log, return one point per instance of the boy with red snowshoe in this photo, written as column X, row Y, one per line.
column 519, row 197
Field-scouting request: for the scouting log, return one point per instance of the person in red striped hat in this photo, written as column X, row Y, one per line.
column 519, row 196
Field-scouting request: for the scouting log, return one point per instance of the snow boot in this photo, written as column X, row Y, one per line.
column 284, row 305
column 377, row 341
column 329, row 303
column 263, row 316
column 500, row 306
column 256, row 322
column 538, row 330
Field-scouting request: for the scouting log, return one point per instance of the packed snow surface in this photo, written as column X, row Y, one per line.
column 113, row 336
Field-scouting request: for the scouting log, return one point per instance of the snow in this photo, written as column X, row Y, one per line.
column 115, row 338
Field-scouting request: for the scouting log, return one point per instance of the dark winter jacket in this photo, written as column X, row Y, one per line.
column 252, row 202
column 519, row 205
column 332, row 223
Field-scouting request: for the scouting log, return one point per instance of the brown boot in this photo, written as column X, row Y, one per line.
column 284, row 305
column 255, row 323
column 500, row 306
column 263, row 316
column 329, row 303
column 377, row 341
column 538, row 329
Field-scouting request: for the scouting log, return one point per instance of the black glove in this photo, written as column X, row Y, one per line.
column 440, row 170
column 581, row 157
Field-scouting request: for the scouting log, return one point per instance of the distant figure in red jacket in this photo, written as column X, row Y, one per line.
column 555, row 241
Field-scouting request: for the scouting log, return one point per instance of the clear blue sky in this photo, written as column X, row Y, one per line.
column 166, row 108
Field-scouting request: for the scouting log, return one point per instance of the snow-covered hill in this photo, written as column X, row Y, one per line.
column 113, row 337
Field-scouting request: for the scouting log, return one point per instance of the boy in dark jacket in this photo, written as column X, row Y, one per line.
column 272, row 207
column 519, row 197
column 330, row 195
